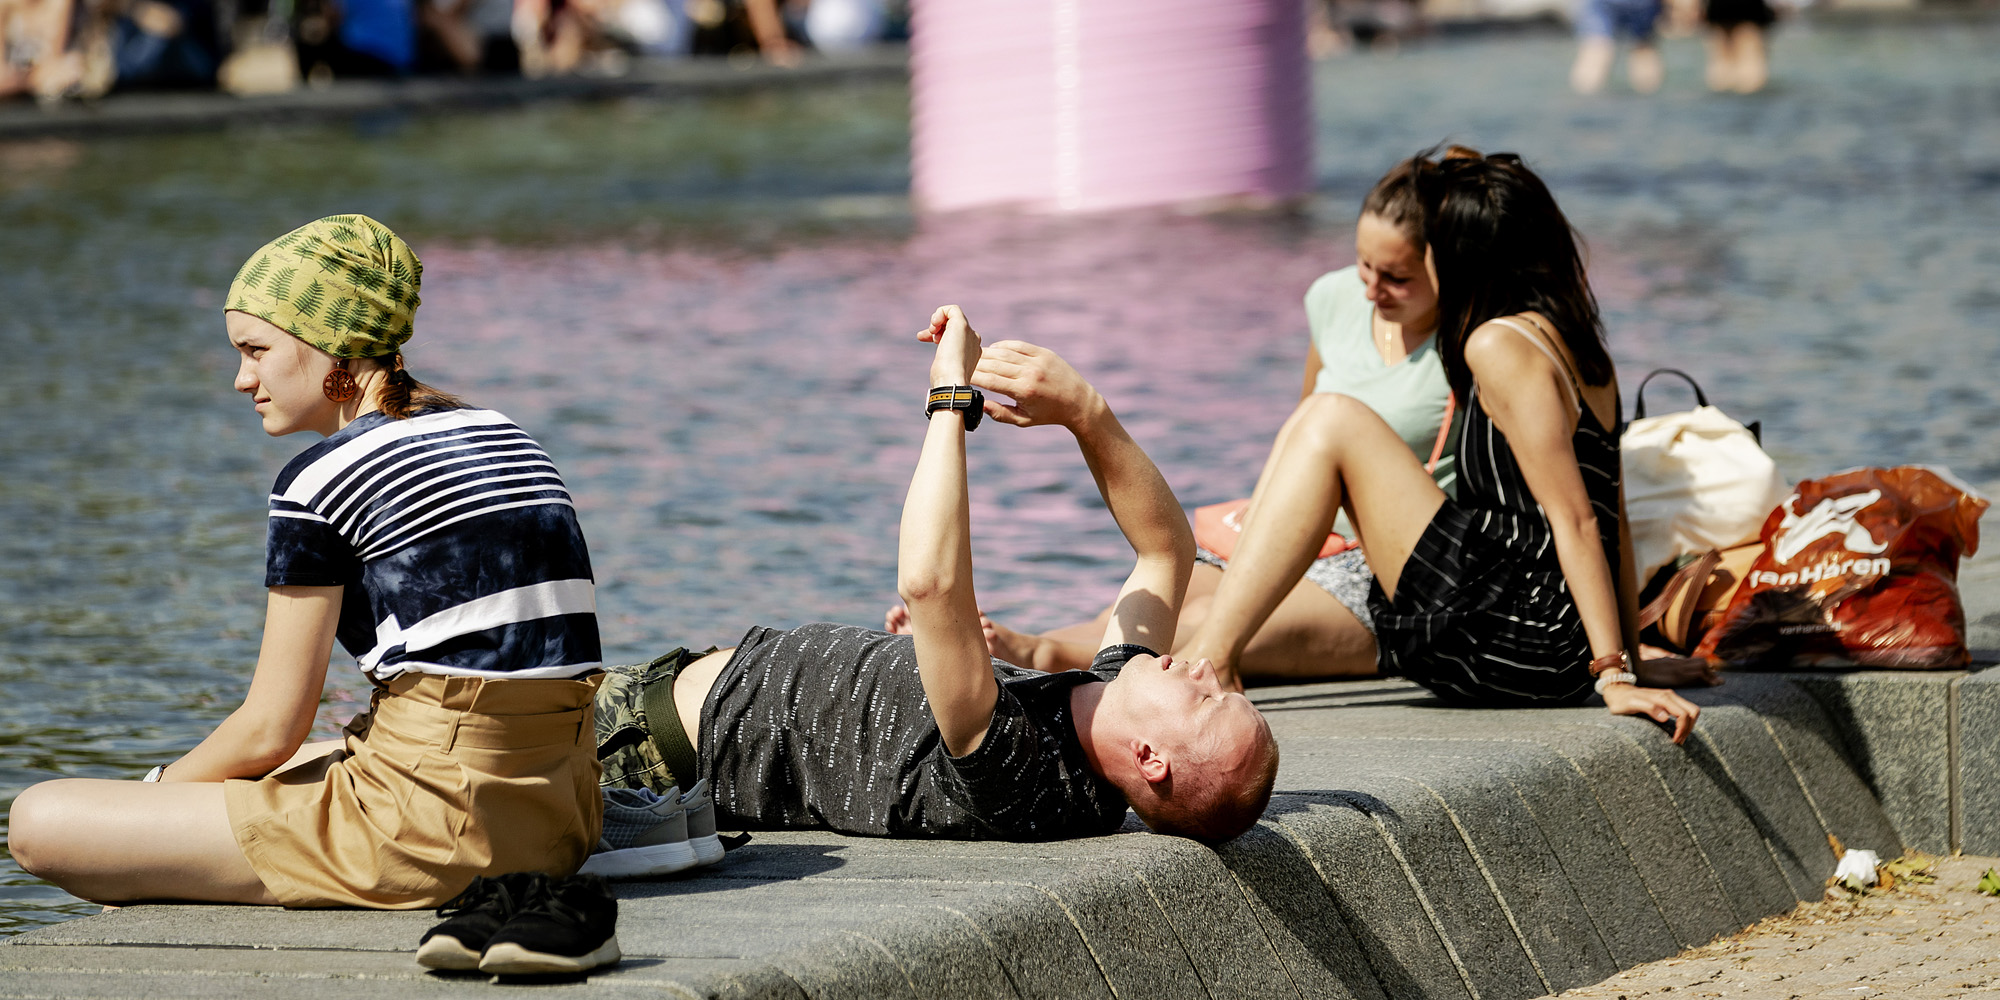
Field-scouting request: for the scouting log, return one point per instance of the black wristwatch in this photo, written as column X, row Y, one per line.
column 970, row 403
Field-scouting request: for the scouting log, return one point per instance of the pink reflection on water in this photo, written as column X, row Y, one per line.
column 739, row 428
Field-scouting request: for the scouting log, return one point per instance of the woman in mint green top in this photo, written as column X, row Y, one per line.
column 1371, row 339
column 1409, row 393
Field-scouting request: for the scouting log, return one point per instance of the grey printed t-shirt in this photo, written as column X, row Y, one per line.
column 827, row 726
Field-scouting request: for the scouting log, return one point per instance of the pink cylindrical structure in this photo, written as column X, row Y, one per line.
column 1081, row 105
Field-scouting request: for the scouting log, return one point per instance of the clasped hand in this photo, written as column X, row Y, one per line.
column 958, row 347
column 1045, row 388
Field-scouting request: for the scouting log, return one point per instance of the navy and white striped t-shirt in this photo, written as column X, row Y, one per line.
column 455, row 538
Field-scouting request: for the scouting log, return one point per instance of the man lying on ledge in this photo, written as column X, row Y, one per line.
column 925, row 734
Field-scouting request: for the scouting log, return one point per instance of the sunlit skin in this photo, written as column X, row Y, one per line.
column 1311, row 634
column 1113, row 719
column 1394, row 280
column 1159, row 688
column 1167, row 688
column 1158, row 713
column 118, row 841
column 285, row 377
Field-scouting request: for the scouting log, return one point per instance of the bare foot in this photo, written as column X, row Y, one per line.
column 1033, row 651
column 1003, row 643
column 1036, row 652
column 897, row 620
column 1675, row 672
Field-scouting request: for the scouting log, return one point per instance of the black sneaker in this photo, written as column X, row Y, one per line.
column 566, row 926
column 473, row 916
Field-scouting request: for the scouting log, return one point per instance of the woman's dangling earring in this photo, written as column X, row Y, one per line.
column 340, row 385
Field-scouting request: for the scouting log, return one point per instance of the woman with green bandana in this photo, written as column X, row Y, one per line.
column 438, row 544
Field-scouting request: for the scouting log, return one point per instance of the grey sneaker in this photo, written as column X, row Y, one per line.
column 700, row 811
column 644, row 834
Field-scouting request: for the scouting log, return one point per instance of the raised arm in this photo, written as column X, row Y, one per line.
column 1529, row 401
column 1047, row 390
column 277, row 714
column 934, row 556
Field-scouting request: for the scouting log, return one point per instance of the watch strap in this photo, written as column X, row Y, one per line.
column 970, row 402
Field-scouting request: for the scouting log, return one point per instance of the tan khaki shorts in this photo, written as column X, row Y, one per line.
column 442, row 779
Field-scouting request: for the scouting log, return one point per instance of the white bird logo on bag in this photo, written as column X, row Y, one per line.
column 1832, row 516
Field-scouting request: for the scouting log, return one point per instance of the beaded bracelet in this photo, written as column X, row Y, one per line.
column 1610, row 677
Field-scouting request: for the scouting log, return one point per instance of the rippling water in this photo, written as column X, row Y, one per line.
column 705, row 311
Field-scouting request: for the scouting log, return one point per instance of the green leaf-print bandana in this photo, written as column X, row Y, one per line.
column 344, row 284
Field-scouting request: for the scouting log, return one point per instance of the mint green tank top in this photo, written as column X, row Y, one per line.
column 1409, row 395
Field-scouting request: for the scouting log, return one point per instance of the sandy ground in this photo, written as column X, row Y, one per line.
column 1925, row 942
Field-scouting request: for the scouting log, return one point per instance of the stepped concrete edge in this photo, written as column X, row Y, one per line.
column 1411, row 850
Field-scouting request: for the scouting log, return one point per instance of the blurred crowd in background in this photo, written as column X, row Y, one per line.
column 1733, row 30
column 57, row 49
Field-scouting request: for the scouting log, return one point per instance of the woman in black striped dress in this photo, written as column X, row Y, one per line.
column 1520, row 590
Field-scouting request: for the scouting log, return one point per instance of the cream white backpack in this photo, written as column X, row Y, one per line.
column 1694, row 481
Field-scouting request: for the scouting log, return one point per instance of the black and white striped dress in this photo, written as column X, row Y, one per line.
column 1482, row 614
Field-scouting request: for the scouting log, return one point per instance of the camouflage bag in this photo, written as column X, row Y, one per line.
column 634, row 755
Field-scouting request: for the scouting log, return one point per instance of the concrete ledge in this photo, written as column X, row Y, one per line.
column 1412, row 850
column 1976, row 764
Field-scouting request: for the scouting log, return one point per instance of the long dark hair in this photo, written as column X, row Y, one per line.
column 1395, row 199
column 404, row 397
column 1501, row 246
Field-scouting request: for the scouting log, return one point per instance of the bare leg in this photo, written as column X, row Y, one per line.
column 311, row 752
column 767, row 25
column 459, row 41
column 1091, row 632
column 1644, row 69
column 124, row 841
column 1753, row 68
column 1072, row 647
column 1040, row 652
column 1333, row 451
column 1068, row 648
column 1593, row 64
column 1308, row 636
column 1721, row 73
